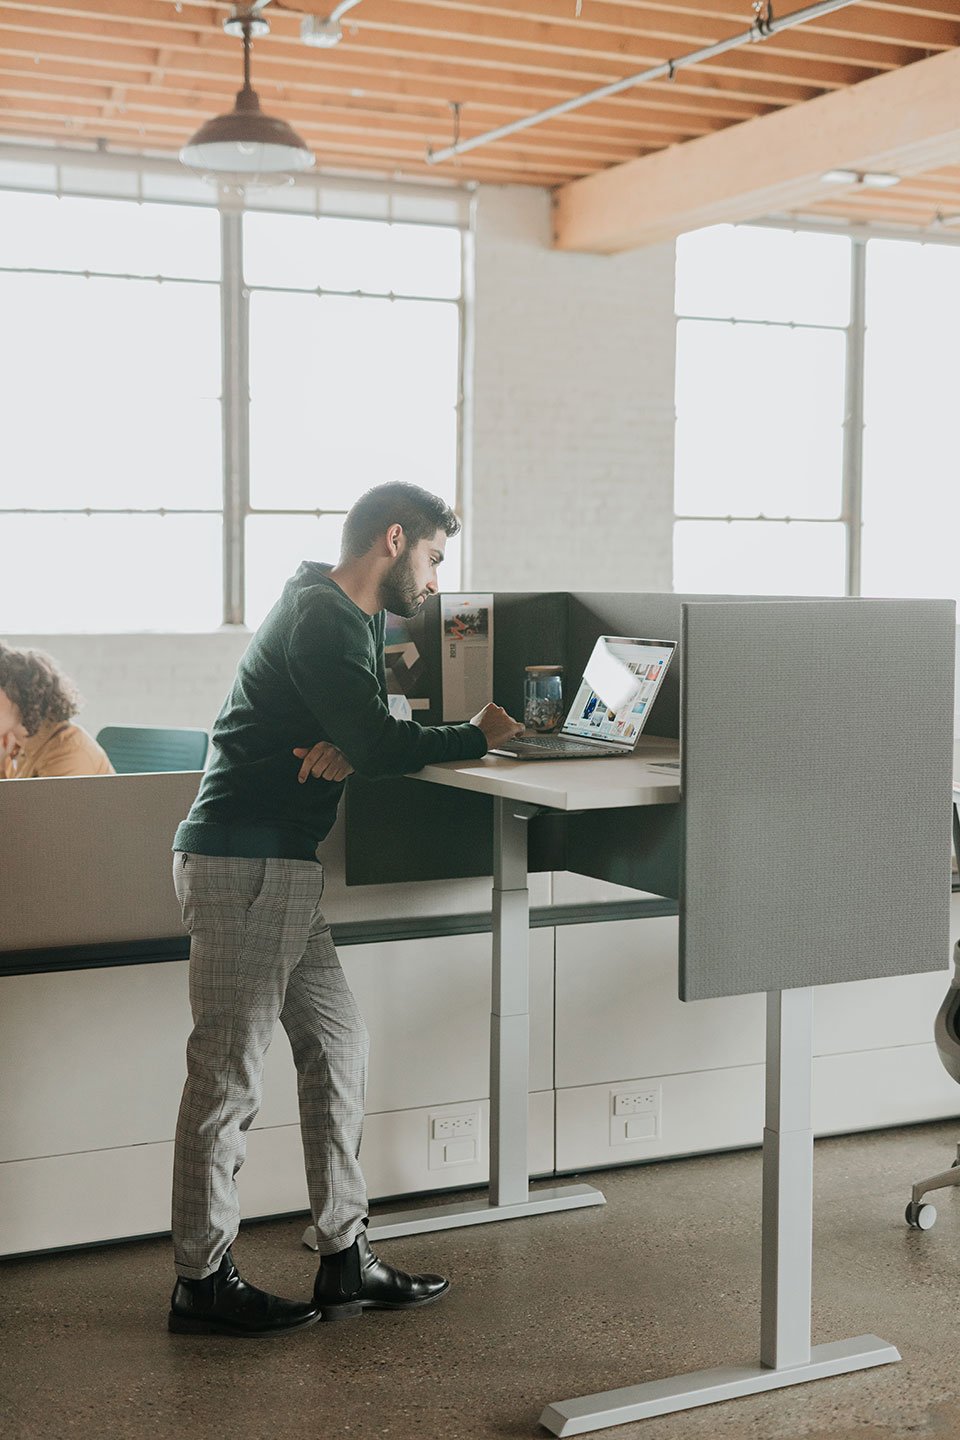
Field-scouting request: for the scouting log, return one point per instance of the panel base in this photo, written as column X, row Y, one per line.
column 706, row 1387
column 472, row 1212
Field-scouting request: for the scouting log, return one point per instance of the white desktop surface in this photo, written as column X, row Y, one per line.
column 601, row 784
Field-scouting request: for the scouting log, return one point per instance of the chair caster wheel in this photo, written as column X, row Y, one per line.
column 920, row 1216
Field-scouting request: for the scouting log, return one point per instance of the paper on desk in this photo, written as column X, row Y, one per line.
column 400, row 707
column 614, row 682
column 466, row 649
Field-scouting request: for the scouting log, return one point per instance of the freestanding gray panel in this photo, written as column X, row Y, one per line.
column 817, row 760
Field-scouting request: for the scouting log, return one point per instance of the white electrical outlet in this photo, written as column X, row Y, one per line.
column 456, row 1127
column 453, row 1137
column 635, row 1115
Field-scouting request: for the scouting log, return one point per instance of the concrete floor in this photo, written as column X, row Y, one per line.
column 663, row 1279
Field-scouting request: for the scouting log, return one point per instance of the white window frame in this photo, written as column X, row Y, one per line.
column 37, row 168
column 851, row 506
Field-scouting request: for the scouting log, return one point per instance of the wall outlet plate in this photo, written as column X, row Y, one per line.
column 635, row 1114
column 453, row 1136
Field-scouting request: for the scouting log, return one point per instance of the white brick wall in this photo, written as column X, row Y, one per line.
column 146, row 679
column 572, row 477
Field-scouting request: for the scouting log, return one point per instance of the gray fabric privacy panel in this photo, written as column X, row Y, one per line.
column 817, row 759
column 87, row 858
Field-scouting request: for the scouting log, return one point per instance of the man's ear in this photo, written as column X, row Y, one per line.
column 394, row 537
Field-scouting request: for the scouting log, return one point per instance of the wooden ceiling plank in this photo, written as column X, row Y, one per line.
column 209, row 97
column 184, row 119
column 122, row 142
column 886, row 44
column 906, row 121
column 94, row 127
column 595, row 151
column 937, row 11
column 759, row 89
column 468, row 48
column 390, row 82
column 865, row 21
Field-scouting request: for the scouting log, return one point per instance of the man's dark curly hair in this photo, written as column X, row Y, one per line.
column 32, row 681
column 396, row 503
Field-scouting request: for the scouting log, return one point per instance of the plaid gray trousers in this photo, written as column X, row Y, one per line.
column 261, row 950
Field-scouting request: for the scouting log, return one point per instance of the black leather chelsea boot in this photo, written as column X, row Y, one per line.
column 355, row 1280
column 224, row 1304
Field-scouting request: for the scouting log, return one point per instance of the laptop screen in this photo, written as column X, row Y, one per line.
column 618, row 689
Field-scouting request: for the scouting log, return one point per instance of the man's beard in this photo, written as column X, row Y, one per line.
column 398, row 591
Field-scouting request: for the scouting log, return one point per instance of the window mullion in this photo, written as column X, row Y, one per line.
column 852, row 504
column 235, row 400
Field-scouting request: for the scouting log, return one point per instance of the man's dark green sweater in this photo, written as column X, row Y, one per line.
column 313, row 671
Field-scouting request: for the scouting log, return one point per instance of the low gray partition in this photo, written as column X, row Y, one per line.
column 87, row 860
column 817, row 758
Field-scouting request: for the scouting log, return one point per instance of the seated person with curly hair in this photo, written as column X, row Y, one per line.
column 37, row 704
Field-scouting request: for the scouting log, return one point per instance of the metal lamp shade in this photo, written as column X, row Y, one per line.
column 246, row 143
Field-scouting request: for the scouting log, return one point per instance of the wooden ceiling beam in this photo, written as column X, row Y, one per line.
column 904, row 122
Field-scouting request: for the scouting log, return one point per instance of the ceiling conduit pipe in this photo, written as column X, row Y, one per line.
column 761, row 29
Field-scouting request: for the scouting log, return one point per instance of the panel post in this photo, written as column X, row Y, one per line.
column 786, row 1271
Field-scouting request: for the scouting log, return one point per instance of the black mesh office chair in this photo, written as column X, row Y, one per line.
column 920, row 1214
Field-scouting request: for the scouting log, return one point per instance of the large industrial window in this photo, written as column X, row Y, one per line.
column 354, row 365
column 110, row 403
column 192, row 397
column 911, row 459
column 761, row 344
column 815, row 385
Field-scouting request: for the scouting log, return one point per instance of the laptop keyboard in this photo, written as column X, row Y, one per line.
column 552, row 747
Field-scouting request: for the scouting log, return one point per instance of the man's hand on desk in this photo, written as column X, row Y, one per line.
column 496, row 725
column 323, row 761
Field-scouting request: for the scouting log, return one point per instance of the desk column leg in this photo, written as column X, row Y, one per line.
column 786, row 1356
column 785, row 1280
column 509, row 1008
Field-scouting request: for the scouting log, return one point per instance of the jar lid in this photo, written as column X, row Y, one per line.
column 544, row 669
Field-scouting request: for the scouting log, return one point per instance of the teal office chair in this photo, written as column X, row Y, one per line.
column 142, row 749
column 920, row 1214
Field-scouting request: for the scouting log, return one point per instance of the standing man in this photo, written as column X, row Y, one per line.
column 249, row 885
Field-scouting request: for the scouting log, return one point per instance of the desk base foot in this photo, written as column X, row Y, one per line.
column 471, row 1212
column 706, row 1387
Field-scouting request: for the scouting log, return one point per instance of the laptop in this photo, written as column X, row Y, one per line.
column 611, row 706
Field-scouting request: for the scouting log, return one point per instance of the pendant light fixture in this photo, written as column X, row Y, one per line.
column 247, row 147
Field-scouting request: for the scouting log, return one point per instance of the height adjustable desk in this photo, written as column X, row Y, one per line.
column 521, row 792
column 807, row 843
